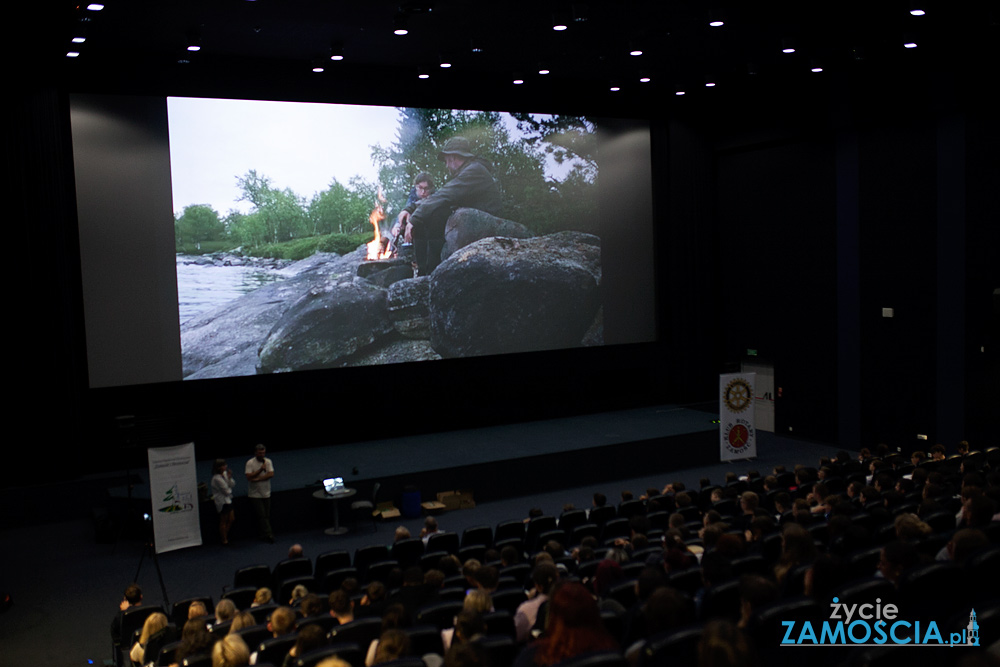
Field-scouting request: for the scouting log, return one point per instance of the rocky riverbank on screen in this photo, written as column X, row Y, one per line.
column 492, row 296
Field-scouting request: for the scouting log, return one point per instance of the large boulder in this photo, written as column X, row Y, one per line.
column 407, row 302
column 467, row 225
column 224, row 341
column 503, row 295
column 325, row 327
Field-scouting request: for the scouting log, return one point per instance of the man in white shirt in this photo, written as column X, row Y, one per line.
column 259, row 471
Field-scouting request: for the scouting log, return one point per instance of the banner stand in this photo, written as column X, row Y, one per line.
column 173, row 491
column 737, row 432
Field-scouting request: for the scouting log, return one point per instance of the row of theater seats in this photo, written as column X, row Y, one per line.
column 924, row 588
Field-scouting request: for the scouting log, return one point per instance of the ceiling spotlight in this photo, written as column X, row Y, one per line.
column 560, row 22
column 715, row 19
column 194, row 40
column 910, row 45
column 72, row 54
column 399, row 25
column 709, row 82
column 815, row 67
column 787, row 46
column 614, row 88
column 337, row 51
column 680, row 92
column 543, row 68
column 916, row 9
column 422, row 73
column 518, row 80
column 644, row 77
column 318, row 69
column 95, row 7
column 445, row 63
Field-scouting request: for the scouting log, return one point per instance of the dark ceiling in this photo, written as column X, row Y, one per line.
column 267, row 47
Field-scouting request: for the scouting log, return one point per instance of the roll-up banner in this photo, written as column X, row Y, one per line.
column 173, row 488
column 737, row 435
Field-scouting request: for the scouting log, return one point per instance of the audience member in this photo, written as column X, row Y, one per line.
column 230, row 651
column 574, row 627
column 131, row 598
column 154, row 627
column 544, row 576
column 195, row 640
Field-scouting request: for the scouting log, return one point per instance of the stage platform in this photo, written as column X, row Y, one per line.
column 497, row 462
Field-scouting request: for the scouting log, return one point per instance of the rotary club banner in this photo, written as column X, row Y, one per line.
column 173, row 489
column 737, row 435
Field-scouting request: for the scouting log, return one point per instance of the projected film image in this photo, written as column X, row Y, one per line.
column 321, row 236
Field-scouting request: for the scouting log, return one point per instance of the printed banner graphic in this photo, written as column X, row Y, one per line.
column 737, row 434
column 173, row 488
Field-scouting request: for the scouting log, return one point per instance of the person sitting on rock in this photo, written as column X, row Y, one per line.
column 423, row 187
column 471, row 185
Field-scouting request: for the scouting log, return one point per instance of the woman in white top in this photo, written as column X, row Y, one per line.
column 222, row 492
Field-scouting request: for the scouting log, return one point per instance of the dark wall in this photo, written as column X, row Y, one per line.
column 833, row 202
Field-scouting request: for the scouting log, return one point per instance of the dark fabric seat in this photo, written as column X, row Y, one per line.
column 255, row 576
column 439, row 614
column 407, row 551
column 330, row 561
column 444, row 541
column 291, row 568
column 477, row 535
column 360, row 631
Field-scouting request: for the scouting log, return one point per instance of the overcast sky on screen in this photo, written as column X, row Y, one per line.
column 296, row 145
column 300, row 146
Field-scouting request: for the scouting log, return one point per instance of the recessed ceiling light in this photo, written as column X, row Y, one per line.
column 95, row 7
column 910, row 45
column 399, row 26
column 73, row 54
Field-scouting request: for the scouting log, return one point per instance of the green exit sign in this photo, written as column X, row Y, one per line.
column 751, row 353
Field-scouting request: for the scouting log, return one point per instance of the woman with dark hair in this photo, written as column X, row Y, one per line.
column 573, row 627
column 195, row 640
column 797, row 548
column 222, row 492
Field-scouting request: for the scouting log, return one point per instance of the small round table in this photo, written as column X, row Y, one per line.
column 337, row 529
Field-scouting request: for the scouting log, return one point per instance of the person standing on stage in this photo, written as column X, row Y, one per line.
column 222, row 493
column 259, row 471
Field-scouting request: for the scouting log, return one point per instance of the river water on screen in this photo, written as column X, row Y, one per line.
column 202, row 287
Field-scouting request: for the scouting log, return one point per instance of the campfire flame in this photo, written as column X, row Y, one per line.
column 378, row 248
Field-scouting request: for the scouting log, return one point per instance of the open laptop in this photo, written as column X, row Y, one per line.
column 334, row 485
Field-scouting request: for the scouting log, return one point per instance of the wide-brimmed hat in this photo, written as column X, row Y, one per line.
column 456, row 146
